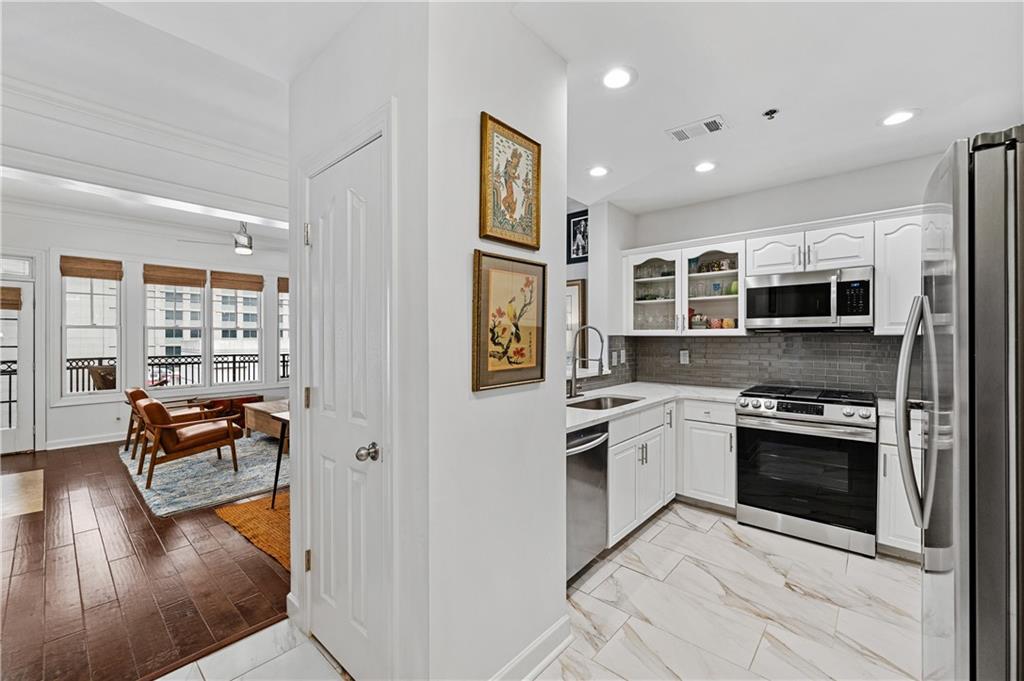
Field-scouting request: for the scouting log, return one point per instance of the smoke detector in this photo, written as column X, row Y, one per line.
column 688, row 131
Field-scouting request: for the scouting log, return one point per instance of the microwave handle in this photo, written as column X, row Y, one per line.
column 834, row 291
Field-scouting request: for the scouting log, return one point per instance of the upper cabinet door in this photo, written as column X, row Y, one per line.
column 897, row 272
column 775, row 254
column 653, row 296
column 835, row 247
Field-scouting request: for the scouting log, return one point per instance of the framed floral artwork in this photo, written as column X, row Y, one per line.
column 509, row 184
column 509, row 300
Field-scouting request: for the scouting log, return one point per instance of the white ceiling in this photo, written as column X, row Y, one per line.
column 277, row 39
column 834, row 71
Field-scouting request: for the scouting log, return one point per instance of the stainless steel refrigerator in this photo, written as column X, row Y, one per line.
column 961, row 362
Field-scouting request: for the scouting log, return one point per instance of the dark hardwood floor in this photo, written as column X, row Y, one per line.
column 95, row 586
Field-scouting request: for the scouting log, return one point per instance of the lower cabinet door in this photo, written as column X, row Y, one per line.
column 622, row 467
column 896, row 526
column 709, row 463
column 649, row 494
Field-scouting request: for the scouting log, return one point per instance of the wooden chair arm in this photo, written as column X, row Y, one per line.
column 200, row 421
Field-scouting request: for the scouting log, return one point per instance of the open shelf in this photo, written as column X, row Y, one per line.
column 660, row 300
column 668, row 277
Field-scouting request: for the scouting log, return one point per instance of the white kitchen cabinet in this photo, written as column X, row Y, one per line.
column 775, row 254
column 897, row 272
column 709, row 463
column 653, row 300
column 714, row 290
column 622, row 469
column 650, row 474
column 895, row 523
column 834, row 247
column 670, row 450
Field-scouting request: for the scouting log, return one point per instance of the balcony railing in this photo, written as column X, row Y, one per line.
column 172, row 370
column 8, row 397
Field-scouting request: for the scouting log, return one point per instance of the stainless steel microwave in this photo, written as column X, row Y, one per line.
column 811, row 300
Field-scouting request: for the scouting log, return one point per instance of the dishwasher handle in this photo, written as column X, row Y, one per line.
column 586, row 444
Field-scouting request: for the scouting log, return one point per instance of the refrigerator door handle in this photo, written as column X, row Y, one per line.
column 903, row 411
column 934, row 429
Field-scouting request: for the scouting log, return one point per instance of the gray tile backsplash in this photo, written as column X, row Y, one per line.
column 854, row 361
column 621, row 373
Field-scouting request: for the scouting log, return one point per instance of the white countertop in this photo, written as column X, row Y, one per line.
column 651, row 394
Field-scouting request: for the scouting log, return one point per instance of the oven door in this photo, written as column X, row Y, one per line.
column 820, row 473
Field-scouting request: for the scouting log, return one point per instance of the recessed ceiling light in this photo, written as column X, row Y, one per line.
column 704, row 167
column 618, row 77
column 898, row 117
column 598, row 171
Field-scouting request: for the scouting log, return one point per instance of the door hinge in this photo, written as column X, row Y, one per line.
column 305, row 397
column 306, row 234
column 309, row 559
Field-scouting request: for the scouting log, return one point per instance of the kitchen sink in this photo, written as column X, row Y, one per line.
column 606, row 402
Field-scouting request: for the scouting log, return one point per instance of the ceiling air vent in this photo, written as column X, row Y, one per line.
column 685, row 133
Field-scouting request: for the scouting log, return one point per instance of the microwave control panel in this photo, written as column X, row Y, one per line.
column 854, row 298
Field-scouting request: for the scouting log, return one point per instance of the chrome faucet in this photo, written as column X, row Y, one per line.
column 574, row 390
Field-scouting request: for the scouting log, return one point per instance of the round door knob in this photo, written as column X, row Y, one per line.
column 864, row 413
column 769, row 404
column 848, row 411
column 744, row 401
column 756, row 404
column 371, row 452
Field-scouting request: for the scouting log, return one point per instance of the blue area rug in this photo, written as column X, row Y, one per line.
column 203, row 480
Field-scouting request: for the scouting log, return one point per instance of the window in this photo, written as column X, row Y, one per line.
column 174, row 305
column 283, row 349
column 90, row 323
column 236, row 356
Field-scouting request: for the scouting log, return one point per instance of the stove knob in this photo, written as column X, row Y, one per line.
column 769, row 404
column 848, row 411
column 864, row 413
column 755, row 403
column 744, row 401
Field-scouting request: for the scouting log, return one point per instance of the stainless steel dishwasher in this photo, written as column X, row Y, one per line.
column 586, row 496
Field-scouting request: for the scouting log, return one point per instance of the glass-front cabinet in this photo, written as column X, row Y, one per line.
column 654, row 293
column 714, row 290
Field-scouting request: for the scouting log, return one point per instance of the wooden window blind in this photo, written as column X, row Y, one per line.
column 91, row 268
column 282, row 284
column 236, row 280
column 173, row 276
column 10, row 298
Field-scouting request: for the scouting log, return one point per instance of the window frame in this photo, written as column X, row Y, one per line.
column 64, row 326
column 204, row 363
column 237, row 295
column 288, row 329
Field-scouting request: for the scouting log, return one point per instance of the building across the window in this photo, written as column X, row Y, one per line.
column 236, row 356
column 174, row 305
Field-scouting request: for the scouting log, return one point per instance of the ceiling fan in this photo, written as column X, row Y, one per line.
column 243, row 241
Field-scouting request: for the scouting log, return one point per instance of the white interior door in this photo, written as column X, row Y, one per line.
column 17, row 374
column 349, row 595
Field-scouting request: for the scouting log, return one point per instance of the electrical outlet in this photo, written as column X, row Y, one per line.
column 615, row 358
column 622, row 356
column 684, row 356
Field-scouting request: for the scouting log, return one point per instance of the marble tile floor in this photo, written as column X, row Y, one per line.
column 694, row 595
column 278, row 652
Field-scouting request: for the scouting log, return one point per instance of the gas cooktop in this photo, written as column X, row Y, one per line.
column 792, row 392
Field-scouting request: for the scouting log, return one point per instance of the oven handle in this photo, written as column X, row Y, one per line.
column 903, row 411
column 817, row 430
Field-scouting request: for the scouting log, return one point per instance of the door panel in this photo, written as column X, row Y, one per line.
column 897, row 272
column 709, row 463
column 622, row 465
column 649, row 473
column 896, row 526
column 775, row 254
column 346, row 301
column 847, row 246
column 17, row 376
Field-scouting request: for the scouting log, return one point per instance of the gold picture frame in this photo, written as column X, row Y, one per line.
column 509, row 184
column 509, row 321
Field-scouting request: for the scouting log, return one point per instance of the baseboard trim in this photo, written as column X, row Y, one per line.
column 294, row 611
column 535, row 658
column 109, row 438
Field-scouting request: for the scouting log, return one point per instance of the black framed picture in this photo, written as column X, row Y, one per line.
column 577, row 237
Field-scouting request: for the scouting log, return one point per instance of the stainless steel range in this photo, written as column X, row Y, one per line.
column 807, row 464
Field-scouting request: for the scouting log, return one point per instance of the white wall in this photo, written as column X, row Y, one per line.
column 497, row 459
column 47, row 232
column 382, row 55
column 612, row 229
column 892, row 185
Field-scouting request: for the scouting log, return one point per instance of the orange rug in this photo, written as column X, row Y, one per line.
column 266, row 528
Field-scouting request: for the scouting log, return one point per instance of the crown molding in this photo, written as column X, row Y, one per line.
column 38, row 100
